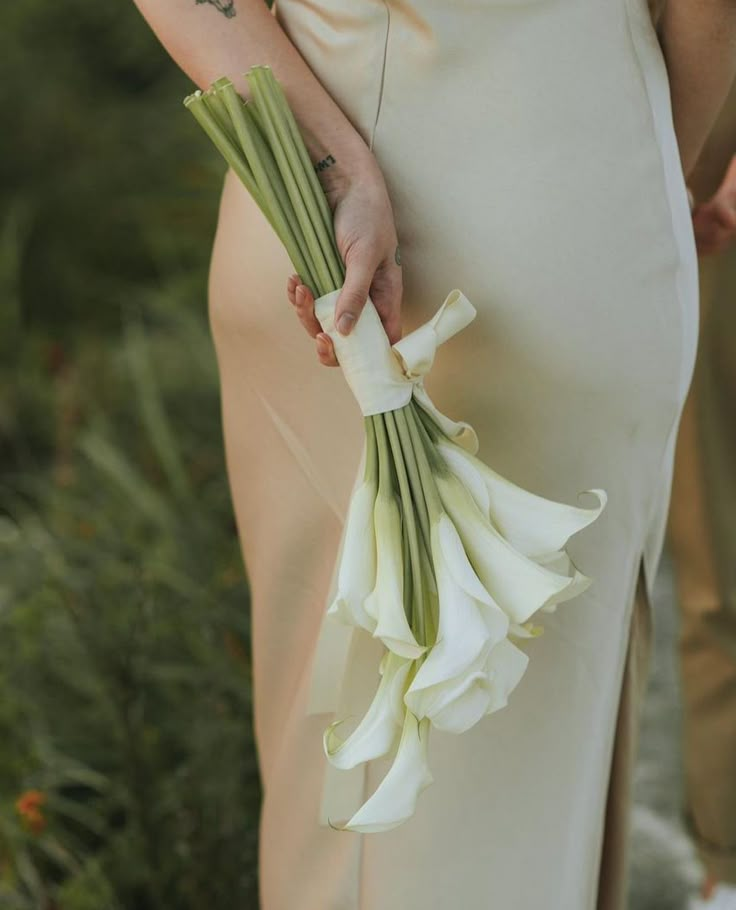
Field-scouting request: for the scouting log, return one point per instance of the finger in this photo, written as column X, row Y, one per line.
column 326, row 351
column 305, row 310
column 291, row 286
column 390, row 314
column 354, row 294
column 386, row 294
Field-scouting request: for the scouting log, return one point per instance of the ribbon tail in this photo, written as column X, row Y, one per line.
column 415, row 351
column 455, row 314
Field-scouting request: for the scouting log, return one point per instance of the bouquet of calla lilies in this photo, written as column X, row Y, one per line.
column 443, row 560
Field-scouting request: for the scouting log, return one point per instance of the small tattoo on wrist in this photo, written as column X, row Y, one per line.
column 226, row 7
column 397, row 256
column 325, row 162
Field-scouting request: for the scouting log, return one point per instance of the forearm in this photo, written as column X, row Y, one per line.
column 699, row 44
column 208, row 41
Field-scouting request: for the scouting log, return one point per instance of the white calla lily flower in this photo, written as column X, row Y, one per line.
column 505, row 666
column 484, row 688
column 458, row 703
column 356, row 576
column 563, row 565
column 532, row 524
column 470, row 623
column 379, row 730
column 465, row 470
column 385, row 604
column 516, row 583
column 395, row 798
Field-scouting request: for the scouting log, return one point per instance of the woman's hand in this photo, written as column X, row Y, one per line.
column 366, row 238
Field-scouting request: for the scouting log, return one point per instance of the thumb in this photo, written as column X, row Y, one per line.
column 350, row 303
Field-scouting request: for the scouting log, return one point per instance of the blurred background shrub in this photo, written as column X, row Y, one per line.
column 127, row 767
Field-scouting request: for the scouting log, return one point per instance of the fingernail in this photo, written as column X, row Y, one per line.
column 322, row 345
column 345, row 323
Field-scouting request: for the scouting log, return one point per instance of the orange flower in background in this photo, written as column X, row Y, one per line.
column 28, row 806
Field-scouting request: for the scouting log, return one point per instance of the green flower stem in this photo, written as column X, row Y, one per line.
column 254, row 121
column 290, row 139
column 268, row 179
column 409, row 521
column 251, row 111
column 407, row 567
column 215, row 106
column 295, row 181
column 371, row 453
column 230, row 152
column 433, row 430
column 309, row 169
column 385, row 486
column 428, row 463
column 431, row 600
column 415, row 482
column 429, row 440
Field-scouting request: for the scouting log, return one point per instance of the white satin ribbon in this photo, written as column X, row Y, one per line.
column 382, row 378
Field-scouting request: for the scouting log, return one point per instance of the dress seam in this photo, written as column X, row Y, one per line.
column 382, row 81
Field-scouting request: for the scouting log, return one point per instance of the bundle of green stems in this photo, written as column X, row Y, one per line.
column 261, row 141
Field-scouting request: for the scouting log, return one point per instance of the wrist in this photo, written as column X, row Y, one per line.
column 340, row 155
column 346, row 168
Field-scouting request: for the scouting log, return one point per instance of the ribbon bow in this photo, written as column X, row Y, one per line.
column 384, row 378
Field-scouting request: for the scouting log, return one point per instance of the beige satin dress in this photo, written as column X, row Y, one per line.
column 530, row 155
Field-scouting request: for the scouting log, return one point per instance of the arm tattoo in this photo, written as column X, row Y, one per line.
column 325, row 163
column 226, row 7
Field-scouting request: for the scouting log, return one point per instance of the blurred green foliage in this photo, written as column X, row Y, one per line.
column 124, row 641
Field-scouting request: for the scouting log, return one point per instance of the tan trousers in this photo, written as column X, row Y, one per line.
column 614, row 871
column 703, row 542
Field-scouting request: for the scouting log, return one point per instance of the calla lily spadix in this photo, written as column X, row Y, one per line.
column 442, row 560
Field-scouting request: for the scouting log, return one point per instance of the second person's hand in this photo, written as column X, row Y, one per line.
column 714, row 221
